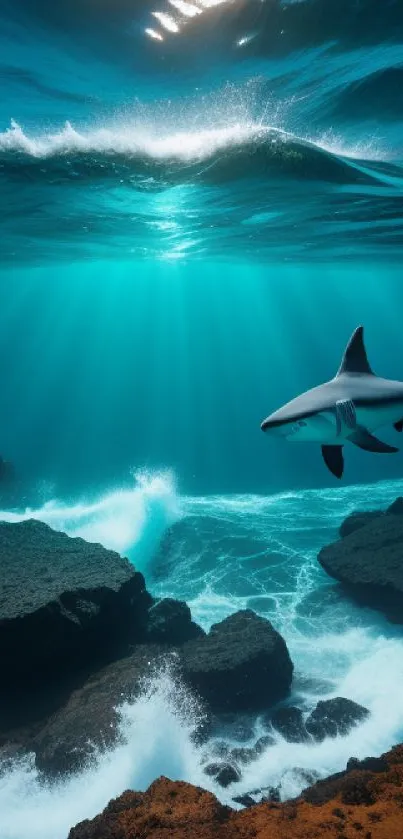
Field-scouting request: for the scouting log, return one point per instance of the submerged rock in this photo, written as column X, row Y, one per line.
column 369, row 564
column 289, row 722
column 223, row 773
column 333, row 717
column 242, row 664
column 245, row 754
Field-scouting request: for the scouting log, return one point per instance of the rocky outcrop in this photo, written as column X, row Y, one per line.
column 362, row 802
column 66, row 608
column 79, row 631
column 242, row 664
column 368, row 562
column 333, row 717
column 170, row 622
column 62, row 601
column 89, row 718
column 362, row 518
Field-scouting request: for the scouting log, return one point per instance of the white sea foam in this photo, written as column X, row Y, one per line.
column 133, row 139
column 130, row 522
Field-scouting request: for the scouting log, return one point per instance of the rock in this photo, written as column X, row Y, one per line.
column 243, row 663
column 170, row 622
column 65, row 605
column 223, row 773
column 289, row 722
column 357, row 803
column 89, row 718
column 358, row 520
column 364, row 517
column 245, row 800
column 244, row 755
column 369, row 564
column 333, row 717
column 167, row 809
column 396, row 509
column 238, row 727
column 370, row 764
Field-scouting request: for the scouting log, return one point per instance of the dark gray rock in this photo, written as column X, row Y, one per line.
column 361, row 518
column 62, row 600
column 245, row 800
column 357, row 520
column 67, row 607
column 90, row 720
column 369, row 564
column 369, row 764
column 170, row 622
column 243, row 663
column 289, row 722
column 332, row 717
column 223, row 773
column 238, row 727
column 396, row 509
column 244, row 755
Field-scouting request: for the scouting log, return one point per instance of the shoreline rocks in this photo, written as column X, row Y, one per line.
column 79, row 632
column 241, row 664
column 367, row 560
column 361, row 801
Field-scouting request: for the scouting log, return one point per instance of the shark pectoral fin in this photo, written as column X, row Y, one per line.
column 333, row 457
column 345, row 415
column 399, row 426
column 364, row 440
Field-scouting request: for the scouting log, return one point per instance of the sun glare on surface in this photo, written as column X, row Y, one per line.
column 182, row 11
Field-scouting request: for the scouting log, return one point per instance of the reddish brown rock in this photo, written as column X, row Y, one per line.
column 360, row 803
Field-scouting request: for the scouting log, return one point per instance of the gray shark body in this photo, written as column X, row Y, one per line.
column 349, row 408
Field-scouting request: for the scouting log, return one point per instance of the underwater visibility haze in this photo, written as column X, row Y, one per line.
column 200, row 201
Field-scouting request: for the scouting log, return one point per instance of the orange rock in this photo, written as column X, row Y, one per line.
column 359, row 804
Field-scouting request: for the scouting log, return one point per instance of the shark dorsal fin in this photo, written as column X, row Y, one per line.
column 355, row 357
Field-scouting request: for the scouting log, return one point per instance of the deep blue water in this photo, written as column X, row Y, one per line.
column 200, row 201
column 266, row 131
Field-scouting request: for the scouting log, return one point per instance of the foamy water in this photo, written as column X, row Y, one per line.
column 186, row 146
column 338, row 649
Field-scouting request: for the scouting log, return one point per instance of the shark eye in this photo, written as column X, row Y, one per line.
column 301, row 422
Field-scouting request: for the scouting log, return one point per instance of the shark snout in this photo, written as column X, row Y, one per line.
column 274, row 426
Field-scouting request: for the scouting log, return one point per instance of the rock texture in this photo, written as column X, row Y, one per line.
column 361, row 518
column 359, row 803
column 90, row 718
column 246, row 673
column 243, row 663
column 334, row 717
column 62, row 600
column 289, row 722
column 369, row 562
column 170, row 622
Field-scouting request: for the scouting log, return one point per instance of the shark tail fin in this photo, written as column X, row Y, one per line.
column 355, row 356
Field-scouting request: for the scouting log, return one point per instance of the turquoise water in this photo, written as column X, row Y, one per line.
column 200, row 201
column 143, row 365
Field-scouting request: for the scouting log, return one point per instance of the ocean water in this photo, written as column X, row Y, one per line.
column 200, row 201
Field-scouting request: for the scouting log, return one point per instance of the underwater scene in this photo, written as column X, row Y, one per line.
column 201, row 452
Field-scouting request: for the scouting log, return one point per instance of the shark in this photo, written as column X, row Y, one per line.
column 346, row 409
